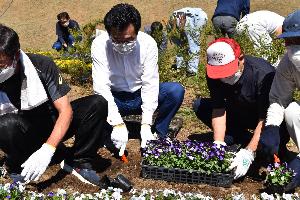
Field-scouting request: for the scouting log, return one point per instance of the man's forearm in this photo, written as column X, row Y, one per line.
column 65, row 115
column 60, row 128
column 219, row 124
column 256, row 135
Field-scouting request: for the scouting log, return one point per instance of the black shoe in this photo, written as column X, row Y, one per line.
column 88, row 176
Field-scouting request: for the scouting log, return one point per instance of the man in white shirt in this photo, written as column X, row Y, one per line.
column 260, row 25
column 125, row 73
column 282, row 106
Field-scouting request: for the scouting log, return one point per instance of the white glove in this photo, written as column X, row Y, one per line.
column 242, row 162
column 146, row 134
column 119, row 136
column 37, row 163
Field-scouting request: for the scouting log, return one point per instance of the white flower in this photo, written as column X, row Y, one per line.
column 133, row 191
column 21, row 187
column 116, row 195
column 287, row 196
column 3, row 171
column 6, row 187
column 61, row 192
column 238, row 197
column 265, row 196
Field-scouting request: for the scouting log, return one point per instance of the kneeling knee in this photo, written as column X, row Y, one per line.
column 177, row 91
column 11, row 122
column 99, row 103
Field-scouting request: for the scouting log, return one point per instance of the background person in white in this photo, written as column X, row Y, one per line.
column 190, row 22
column 260, row 25
column 125, row 73
column 282, row 107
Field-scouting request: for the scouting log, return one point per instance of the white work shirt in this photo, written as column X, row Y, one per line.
column 286, row 80
column 265, row 19
column 113, row 71
column 196, row 18
column 260, row 25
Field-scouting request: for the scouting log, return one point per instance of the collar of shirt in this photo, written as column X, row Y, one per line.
column 126, row 70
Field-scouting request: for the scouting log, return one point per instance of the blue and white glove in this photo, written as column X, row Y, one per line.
column 119, row 137
column 242, row 161
column 37, row 163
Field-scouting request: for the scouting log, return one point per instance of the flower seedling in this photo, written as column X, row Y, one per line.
column 192, row 155
column 279, row 174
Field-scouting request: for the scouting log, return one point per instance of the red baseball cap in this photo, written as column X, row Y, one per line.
column 222, row 58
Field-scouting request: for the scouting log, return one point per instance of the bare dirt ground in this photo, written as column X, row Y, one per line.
column 35, row 23
column 35, row 20
column 106, row 164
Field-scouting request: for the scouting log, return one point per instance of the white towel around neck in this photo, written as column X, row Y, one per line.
column 33, row 92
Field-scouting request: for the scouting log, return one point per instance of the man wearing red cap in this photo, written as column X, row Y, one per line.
column 239, row 88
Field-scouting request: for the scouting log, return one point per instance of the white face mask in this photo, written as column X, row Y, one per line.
column 231, row 80
column 294, row 55
column 7, row 72
column 66, row 24
column 124, row 48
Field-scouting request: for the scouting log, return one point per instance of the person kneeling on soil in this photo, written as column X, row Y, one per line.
column 239, row 88
column 63, row 28
column 36, row 115
column 282, row 106
column 125, row 73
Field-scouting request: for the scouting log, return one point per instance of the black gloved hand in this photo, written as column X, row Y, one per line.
column 270, row 140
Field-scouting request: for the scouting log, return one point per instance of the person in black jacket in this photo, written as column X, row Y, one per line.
column 239, row 88
column 63, row 28
column 36, row 115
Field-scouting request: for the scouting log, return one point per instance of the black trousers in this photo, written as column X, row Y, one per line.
column 24, row 133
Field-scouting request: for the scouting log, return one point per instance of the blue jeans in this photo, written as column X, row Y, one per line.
column 169, row 100
column 236, row 126
column 195, row 21
column 58, row 45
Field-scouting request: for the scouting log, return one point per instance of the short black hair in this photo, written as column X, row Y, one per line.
column 121, row 16
column 63, row 15
column 156, row 26
column 9, row 41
